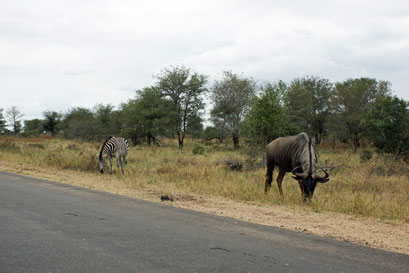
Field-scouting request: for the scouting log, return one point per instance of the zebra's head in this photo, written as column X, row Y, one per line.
column 102, row 163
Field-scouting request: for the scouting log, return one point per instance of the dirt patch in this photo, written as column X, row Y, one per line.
column 387, row 235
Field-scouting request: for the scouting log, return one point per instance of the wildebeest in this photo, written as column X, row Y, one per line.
column 294, row 154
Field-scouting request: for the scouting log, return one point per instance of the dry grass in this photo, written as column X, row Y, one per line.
column 378, row 187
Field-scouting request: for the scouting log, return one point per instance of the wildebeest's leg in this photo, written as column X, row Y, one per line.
column 280, row 180
column 269, row 177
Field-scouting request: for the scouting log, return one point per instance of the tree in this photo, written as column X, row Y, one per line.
column 308, row 104
column 194, row 126
column 352, row 99
column 185, row 90
column 148, row 115
column 14, row 116
column 266, row 119
column 231, row 98
column 33, row 127
column 108, row 119
column 80, row 122
column 386, row 124
column 51, row 122
column 3, row 123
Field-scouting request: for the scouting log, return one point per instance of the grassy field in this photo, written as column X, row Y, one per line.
column 376, row 187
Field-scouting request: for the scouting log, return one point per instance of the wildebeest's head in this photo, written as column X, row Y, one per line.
column 308, row 181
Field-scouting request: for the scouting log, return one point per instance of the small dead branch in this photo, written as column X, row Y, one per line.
column 166, row 198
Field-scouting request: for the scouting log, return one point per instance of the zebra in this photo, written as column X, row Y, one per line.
column 113, row 147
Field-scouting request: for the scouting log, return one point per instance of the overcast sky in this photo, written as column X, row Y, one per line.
column 55, row 55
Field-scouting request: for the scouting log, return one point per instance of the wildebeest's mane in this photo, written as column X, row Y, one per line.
column 102, row 148
column 310, row 155
column 303, row 143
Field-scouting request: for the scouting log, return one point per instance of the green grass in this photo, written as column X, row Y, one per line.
column 376, row 187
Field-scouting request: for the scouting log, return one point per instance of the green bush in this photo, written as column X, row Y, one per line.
column 387, row 125
column 198, row 150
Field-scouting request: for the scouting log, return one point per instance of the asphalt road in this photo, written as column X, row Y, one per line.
column 52, row 227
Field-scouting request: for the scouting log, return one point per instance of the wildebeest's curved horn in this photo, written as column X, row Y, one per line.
column 299, row 176
column 320, row 178
column 293, row 171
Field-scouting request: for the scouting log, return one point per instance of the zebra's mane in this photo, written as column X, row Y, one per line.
column 102, row 148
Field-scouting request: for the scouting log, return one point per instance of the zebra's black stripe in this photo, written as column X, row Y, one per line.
column 113, row 145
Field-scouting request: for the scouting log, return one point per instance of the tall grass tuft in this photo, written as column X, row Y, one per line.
column 9, row 146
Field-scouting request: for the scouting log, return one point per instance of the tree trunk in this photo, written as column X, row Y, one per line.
column 134, row 140
column 355, row 143
column 221, row 137
column 149, row 139
column 180, row 140
column 317, row 139
column 236, row 140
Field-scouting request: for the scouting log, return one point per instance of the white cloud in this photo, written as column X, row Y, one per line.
column 58, row 54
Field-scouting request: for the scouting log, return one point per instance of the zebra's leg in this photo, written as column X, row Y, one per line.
column 126, row 161
column 122, row 164
column 110, row 163
column 118, row 162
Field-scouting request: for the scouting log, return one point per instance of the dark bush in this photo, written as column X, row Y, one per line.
column 366, row 155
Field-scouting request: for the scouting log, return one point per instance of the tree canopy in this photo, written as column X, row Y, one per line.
column 267, row 119
column 52, row 121
column 352, row 99
column 3, row 122
column 175, row 104
column 185, row 90
column 386, row 124
column 308, row 104
column 231, row 98
column 148, row 115
column 14, row 116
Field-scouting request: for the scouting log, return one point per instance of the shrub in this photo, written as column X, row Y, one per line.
column 36, row 145
column 198, row 149
column 9, row 146
column 366, row 155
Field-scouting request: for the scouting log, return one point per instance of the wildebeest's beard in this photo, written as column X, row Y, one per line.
column 307, row 187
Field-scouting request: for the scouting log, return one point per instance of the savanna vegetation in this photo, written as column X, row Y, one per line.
column 361, row 133
column 364, row 184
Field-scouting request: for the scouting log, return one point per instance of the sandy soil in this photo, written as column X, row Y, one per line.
column 387, row 235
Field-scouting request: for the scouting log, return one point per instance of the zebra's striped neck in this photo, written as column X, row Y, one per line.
column 102, row 149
